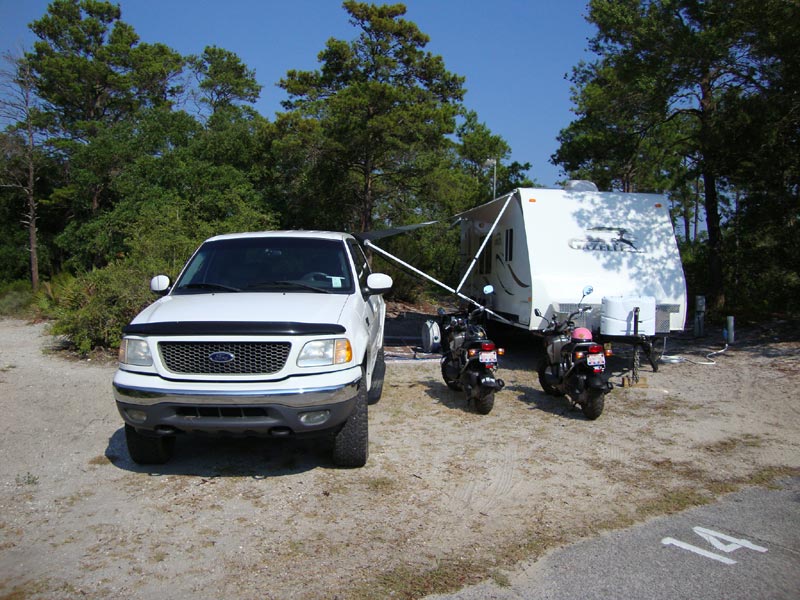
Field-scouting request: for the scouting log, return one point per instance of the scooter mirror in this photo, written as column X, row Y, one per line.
column 537, row 312
column 587, row 290
column 488, row 289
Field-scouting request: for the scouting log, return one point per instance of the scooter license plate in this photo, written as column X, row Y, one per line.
column 488, row 357
column 595, row 360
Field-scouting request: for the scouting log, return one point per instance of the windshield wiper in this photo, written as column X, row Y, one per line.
column 210, row 286
column 290, row 284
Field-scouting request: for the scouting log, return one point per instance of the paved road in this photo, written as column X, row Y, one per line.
column 745, row 547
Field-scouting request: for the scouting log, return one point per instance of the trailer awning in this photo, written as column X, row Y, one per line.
column 379, row 234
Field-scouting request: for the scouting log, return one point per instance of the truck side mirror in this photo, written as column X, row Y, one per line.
column 379, row 283
column 159, row 284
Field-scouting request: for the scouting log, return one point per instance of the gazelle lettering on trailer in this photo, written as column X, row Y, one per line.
column 600, row 245
column 720, row 541
column 617, row 243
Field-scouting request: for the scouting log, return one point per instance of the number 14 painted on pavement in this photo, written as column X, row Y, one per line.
column 720, row 541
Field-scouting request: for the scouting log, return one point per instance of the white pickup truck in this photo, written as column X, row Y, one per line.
column 277, row 333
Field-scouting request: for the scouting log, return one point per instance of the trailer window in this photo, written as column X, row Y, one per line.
column 509, row 245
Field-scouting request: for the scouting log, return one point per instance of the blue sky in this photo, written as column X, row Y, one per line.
column 514, row 54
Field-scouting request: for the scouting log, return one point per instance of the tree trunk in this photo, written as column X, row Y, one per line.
column 687, row 221
column 696, row 207
column 30, row 193
column 365, row 216
column 716, row 282
column 33, row 241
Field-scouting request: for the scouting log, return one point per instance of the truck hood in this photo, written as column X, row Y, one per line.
column 246, row 308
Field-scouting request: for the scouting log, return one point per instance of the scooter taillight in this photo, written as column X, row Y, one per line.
column 595, row 349
column 487, row 345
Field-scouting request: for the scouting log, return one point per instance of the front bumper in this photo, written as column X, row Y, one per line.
column 155, row 406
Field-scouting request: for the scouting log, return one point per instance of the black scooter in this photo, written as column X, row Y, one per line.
column 469, row 361
column 574, row 365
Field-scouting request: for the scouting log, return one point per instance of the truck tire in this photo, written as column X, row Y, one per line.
column 148, row 450
column 351, row 443
column 378, row 373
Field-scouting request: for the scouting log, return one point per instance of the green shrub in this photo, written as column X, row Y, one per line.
column 90, row 310
column 15, row 298
column 45, row 301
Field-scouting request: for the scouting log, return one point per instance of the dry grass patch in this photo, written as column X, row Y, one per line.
column 732, row 444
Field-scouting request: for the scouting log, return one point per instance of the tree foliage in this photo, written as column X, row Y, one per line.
column 696, row 97
column 91, row 68
column 380, row 105
column 23, row 152
column 223, row 80
column 127, row 182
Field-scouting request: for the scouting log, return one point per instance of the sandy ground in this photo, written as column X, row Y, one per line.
column 447, row 498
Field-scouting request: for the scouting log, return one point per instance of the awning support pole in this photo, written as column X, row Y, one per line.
column 384, row 253
column 486, row 240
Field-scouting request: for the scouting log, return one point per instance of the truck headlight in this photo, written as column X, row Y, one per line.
column 325, row 352
column 135, row 351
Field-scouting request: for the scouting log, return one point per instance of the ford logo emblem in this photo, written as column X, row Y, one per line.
column 221, row 357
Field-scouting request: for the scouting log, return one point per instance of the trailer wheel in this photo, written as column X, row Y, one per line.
column 593, row 404
column 545, row 371
column 654, row 354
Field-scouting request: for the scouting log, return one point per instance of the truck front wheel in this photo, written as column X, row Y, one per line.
column 378, row 373
column 351, row 444
column 147, row 450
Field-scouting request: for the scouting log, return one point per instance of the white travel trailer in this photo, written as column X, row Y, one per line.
column 539, row 248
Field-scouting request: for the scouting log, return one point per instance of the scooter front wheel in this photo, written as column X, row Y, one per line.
column 545, row 371
column 450, row 374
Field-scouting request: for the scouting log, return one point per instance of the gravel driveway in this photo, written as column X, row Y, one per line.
column 447, row 498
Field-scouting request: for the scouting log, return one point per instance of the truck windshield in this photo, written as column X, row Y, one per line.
column 268, row 264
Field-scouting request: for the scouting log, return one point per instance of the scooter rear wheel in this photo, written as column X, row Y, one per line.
column 544, row 369
column 593, row 404
column 484, row 405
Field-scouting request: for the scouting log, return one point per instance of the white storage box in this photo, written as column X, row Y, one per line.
column 616, row 315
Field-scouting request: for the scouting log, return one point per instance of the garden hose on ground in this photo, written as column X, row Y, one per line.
column 680, row 359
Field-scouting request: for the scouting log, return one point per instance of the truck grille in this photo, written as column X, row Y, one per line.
column 232, row 358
